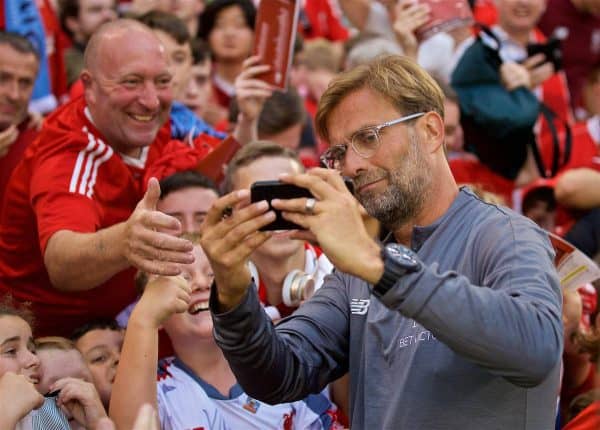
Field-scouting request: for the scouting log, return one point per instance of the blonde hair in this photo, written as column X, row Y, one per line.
column 54, row 343
column 397, row 79
column 320, row 54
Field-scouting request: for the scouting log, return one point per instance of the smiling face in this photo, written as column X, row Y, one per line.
column 391, row 184
column 196, row 322
column 101, row 350
column 128, row 88
column 17, row 75
column 519, row 15
column 17, row 350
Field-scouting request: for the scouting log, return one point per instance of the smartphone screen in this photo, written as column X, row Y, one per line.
column 269, row 190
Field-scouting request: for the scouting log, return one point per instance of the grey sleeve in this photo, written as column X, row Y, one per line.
column 511, row 324
column 299, row 356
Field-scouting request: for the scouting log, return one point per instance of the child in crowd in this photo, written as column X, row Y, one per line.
column 100, row 343
column 196, row 388
column 22, row 407
column 64, row 374
column 19, row 367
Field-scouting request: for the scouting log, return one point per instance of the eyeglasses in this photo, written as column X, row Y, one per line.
column 364, row 142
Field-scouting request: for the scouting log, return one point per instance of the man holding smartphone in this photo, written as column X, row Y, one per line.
column 454, row 323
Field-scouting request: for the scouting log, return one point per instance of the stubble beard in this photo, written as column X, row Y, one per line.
column 404, row 197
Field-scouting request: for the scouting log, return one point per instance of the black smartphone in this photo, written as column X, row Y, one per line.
column 269, row 190
column 551, row 50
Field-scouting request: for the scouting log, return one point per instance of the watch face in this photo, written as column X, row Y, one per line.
column 402, row 255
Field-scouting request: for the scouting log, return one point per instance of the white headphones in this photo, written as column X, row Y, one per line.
column 298, row 285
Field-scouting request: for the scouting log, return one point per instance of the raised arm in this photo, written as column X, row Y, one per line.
column 357, row 12
column 82, row 261
column 135, row 382
column 250, row 93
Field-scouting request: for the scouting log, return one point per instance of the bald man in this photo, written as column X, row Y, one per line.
column 77, row 222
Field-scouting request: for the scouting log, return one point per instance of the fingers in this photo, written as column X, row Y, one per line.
column 320, row 182
column 303, row 220
column 152, row 195
column 541, row 73
column 75, row 390
column 250, row 61
column 514, row 75
column 332, row 177
column 534, row 61
column 224, row 204
column 162, row 245
column 7, row 138
column 232, row 232
column 153, row 267
column 179, row 290
column 412, row 15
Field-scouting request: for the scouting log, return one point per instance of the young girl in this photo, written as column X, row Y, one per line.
column 19, row 367
column 22, row 407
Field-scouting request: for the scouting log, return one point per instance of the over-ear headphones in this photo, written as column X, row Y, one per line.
column 297, row 285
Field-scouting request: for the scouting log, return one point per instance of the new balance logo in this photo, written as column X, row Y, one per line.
column 359, row 306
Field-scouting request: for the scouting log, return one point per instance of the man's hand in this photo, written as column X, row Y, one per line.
column 514, row 75
column 7, row 138
column 250, row 93
column 408, row 16
column 149, row 243
column 36, row 120
column 18, row 397
column 533, row 72
column 336, row 223
column 79, row 400
column 539, row 69
column 228, row 241
column 163, row 297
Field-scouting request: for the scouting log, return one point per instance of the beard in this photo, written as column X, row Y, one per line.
column 404, row 196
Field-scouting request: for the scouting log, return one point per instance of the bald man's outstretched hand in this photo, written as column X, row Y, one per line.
column 150, row 243
column 147, row 240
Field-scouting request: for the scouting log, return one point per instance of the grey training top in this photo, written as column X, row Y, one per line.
column 471, row 341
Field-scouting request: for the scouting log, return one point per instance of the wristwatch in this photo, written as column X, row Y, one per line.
column 398, row 260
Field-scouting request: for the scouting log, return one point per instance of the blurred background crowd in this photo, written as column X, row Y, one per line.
column 521, row 82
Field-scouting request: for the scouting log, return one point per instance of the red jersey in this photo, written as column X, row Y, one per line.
column 581, row 49
column 474, row 172
column 322, row 18
column 588, row 419
column 71, row 179
column 14, row 155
